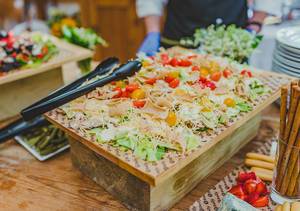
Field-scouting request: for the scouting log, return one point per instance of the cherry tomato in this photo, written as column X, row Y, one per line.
column 119, row 92
column 192, row 56
column 45, row 50
column 244, row 176
column 237, row 190
column 171, row 119
column 131, row 87
column 150, row 81
column 252, row 197
column 113, row 83
column 227, row 73
column 138, row 94
column 164, row 57
column 246, row 73
column 216, row 76
column 261, row 202
column 169, row 79
column 40, row 56
column 229, row 102
column 175, row 83
column 195, row 68
column 125, row 94
column 204, row 72
column 210, row 85
column 174, row 62
column 184, row 63
column 139, row 103
column 250, row 186
column 14, row 54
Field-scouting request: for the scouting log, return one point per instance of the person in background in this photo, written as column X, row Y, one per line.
column 184, row 16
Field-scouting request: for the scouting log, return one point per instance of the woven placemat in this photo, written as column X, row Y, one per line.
column 213, row 198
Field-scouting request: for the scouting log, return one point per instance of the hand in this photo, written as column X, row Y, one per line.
column 150, row 44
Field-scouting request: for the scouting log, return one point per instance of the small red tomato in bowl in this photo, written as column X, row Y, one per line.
column 131, row 87
column 174, row 62
column 261, row 202
column 250, row 186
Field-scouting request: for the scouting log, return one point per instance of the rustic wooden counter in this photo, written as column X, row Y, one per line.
column 28, row 184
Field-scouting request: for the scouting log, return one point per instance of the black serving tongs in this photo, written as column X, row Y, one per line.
column 20, row 126
column 119, row 73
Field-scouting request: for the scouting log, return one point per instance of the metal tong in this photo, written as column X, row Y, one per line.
column 44, row 106
column 20, row 126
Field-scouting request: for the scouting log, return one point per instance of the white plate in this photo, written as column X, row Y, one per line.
column 20, row 140
column 278, row 68
column 285, row 61
column 289, row 36
column 287, row 53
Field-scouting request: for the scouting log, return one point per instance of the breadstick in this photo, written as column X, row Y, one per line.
column 286, row 206
column 290, row 177
column 297, row 189
column 264, row 174
column 283, row 110
column 257, row 156
column 259, row 163
column 295, row 206
column 278, row 208
column 290, row 134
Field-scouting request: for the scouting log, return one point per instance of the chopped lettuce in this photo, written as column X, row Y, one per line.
column 244, row 107
column 191, row 142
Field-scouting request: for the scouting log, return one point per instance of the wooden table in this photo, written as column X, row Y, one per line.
column 28, row 184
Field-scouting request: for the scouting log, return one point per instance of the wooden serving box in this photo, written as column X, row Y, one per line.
column 143, row 185
column 20, row 88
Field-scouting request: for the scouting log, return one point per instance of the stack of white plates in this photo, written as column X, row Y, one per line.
column 286, row 57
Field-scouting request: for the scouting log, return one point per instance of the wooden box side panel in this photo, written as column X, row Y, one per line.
column 130, row 190
column 172, row 190
column 16, row 95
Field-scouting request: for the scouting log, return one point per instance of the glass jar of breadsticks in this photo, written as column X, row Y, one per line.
column 286, row 179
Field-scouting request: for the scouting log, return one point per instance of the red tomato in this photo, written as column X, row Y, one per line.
column 192, row 56
column 246, row 73
column 131, row 87
column 40, row 56
column 113, row 83
column 261, row 188
column 164, row 57
column 261, row 202
column 195, row 68
column 250, row 186
column 237, row 190
column 244, row 176
column 173, row 84
column 169, row 79
column 14, row 54
column 174, row 62
column 227, row 73
column 184, row 63
column 150, row 81
column 252, row 197
column 125, row 94
column 119, row 92
column 139, row 103
column 210, row 85
column 216, row 76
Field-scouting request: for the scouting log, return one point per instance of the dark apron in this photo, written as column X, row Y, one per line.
column 184, row 16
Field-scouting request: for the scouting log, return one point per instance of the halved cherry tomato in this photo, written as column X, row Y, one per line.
column 216, row 76
column 139, row 103
column 227, row 73
column 252, row 197
column 131, row 87
column 192, row 56
column 125, row 94
column 113, row 83
column 40, row 56
column 244, row 176
column 184, row 63
column 246, row 73
column 210, row 85
column 164, row 57
column 174, row 62
column 250, row 186
column 229, row 102
column 261, row 188
column 261, row 202
column 237, row 190
column 175, row 83
column 150, row 81
column 195, row 68
column 171, row 119
column 169, row 79
column 138, row 94
column 119, row 92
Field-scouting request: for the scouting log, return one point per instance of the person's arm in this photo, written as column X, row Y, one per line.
column 151, row 11
column 261, row 10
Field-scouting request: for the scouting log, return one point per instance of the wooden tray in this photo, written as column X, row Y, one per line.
column 22, row 87
column 162, row 183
